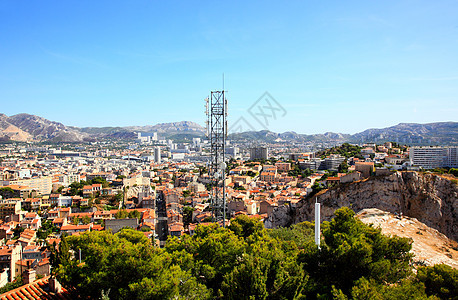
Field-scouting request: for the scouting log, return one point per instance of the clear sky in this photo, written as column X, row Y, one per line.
column 341, row 66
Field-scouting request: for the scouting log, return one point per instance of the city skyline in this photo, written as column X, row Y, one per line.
column 338, row 67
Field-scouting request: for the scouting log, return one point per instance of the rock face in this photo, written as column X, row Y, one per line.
column 43, row 129
column 429, row 246
column 430, row 198
column 10, row 132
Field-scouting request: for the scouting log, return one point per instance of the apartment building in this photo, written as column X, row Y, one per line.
column 434, row 157
column 43, row 185
column 9, row 207
column 313, row 164
column 9, row 255
column 283, row 167
column 333, row 161
column 259, row 153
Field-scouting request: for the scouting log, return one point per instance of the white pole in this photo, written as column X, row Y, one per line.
column 317, row 224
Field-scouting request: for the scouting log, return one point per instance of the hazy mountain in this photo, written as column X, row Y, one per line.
column 25, row 127
column 411, row 133
column 270, row 137
column 170, row 128
column 443, row 133
column 179, row 130
column 42, row 129
column 109, row 132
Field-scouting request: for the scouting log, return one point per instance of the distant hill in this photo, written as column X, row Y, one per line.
column 171, row 128
column 25, row 127
column 270, row 137
column 442, row 133
column 31, row 128
column 10, row 132
column 28, row 128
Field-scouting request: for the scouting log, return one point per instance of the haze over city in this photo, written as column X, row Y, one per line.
column 333, row 66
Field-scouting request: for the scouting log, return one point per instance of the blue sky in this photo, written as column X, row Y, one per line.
column 341, row 66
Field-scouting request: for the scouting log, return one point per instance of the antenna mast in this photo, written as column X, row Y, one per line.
column 216, row 109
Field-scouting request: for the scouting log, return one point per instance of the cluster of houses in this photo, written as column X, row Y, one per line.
column 169, row 198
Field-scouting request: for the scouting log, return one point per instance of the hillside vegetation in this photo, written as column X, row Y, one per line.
column 246, row 261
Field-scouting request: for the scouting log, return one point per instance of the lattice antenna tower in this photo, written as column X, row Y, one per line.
column 216, row 110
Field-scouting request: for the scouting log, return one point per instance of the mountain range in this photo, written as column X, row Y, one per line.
column 31, row 128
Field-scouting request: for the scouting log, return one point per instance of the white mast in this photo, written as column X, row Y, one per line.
column 317, row 223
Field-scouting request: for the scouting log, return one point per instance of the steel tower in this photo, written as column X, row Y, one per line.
column 216, row 109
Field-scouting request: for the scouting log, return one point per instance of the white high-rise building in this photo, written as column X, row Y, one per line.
column 434, row 157
column 452, row 157
column 157, row 155
column 196, row 142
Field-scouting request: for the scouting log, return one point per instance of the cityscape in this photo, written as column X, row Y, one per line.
column 163, row 189
column 294, row 151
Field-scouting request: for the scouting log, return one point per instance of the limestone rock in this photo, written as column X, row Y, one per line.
column 430, row 198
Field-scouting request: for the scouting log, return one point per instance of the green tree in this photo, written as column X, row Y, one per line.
column 7, row 192
column 404, row 290
column 215, row 251
column 244, row 226
column 86, row 220
column 121, row 214
column 343, row 167
column 47, row 227
column 352, row 250
column 439, row 280
column 187, row 214
column 63, row 256
column 134, row 214
column 128, row 266
column 17, row 282
column 100, row 180
column 453, row 171
column 17, row 231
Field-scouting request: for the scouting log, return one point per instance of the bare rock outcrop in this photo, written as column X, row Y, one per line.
column 429, row 246
column 430, row 198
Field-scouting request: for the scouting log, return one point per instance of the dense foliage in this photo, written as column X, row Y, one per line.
column 47, row 227
column 246, row 261
column 17, row 282
column 346, row 150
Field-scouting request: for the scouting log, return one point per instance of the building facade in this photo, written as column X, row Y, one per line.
column 259, row 153
column 434, row 157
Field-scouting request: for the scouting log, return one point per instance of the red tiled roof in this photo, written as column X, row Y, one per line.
column 76, row 227
column 38, row 289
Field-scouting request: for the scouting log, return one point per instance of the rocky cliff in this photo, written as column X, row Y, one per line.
column 432, row 199
column 41, row 129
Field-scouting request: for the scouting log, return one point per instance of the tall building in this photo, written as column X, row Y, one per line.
column 333, row 161
column 232, row 151
column 433, row 157
column 313, row 164
column 43, row 185
column 196, row 142
column 452, row 157
column 157, row 155
column 259, row 153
